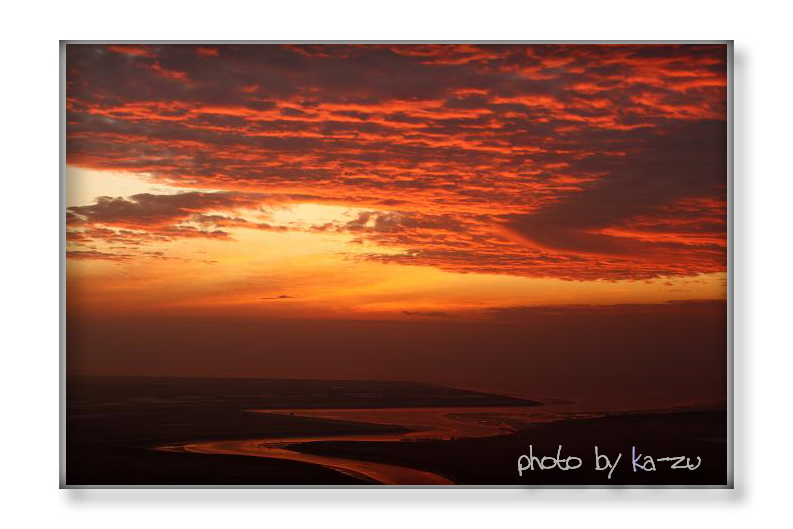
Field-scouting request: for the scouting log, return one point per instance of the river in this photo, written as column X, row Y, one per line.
column 424, row 424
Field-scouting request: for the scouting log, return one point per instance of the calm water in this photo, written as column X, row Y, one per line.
column 443, row 423
column 424, row 423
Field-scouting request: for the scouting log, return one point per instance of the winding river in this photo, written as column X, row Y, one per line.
column 423, row 423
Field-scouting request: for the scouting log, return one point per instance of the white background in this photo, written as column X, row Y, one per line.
column 29, row 470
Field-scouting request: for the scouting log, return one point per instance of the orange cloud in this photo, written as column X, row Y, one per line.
column 567, row 161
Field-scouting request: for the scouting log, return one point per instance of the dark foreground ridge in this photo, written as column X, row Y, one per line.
column 493, row 460
column 278, row 393
column 113, row 424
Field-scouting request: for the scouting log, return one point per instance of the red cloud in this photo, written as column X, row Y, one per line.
column 571, row 161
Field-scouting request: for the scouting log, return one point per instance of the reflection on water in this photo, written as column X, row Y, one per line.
column 423, row 423
column 442, row 423
column 446, row 423
column 375, row 473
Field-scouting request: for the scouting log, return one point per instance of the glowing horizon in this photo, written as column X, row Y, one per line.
column 295, row 250
column 494, row 215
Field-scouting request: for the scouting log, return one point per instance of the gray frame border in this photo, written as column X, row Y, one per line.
column 730, row 265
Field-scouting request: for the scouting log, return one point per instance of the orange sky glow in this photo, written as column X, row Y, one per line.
column 406, row 183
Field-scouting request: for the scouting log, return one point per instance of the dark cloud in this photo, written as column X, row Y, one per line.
column 148, row 209
column 147, row 217
column 94, row 254
column 689, row 163
column 571, row 161
column 673, row 307
column 428, row 313
column 282, row 296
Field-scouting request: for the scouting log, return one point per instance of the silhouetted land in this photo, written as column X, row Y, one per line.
column 494, row 460
column 273, row 393
column 113, row 424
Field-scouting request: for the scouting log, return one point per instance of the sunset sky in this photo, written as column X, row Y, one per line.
column 359, row 193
